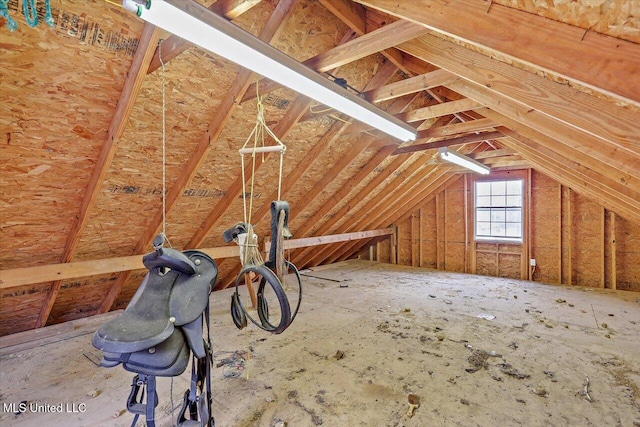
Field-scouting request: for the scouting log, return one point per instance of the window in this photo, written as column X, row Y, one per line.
column 499, row 210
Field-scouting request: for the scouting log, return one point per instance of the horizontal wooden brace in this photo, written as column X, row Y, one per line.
column 73, row 270
column 467, row 139
column 335, row 238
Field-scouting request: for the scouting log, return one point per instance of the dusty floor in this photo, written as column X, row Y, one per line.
column 367, row 336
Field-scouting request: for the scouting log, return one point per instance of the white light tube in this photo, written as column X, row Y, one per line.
column 195, row 23
column 462, row 160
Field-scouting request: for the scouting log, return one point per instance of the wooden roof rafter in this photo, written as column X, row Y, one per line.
column 350, row 51
column 552, row 46
column 128, row 97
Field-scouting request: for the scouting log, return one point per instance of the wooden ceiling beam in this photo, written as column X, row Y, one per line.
column 360, row 47
column 597, row 117
column 477, row 125
column 216, row 126
column 606, row 62
column 467, row 139
column 357, row 17
column 410, row 85
column 174, row 45
column 128, row 96
column 439, row 110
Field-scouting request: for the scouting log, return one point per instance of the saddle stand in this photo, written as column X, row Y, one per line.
column 160, row 328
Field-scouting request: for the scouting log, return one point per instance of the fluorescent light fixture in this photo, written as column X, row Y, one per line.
column 462, row 160
column 197, row 24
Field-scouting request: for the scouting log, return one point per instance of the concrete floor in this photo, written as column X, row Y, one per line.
column 475, row 350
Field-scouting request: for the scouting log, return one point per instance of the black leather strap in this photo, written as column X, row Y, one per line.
column 268, row 277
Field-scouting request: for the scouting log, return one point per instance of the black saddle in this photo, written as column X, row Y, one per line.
column 162, row 326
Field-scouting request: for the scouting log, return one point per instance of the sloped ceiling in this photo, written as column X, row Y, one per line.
column 518, row 84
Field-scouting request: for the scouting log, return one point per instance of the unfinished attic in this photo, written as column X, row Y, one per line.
column 423, row 212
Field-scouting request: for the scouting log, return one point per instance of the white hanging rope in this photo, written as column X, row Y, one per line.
column 164, row 154
column 251, row 252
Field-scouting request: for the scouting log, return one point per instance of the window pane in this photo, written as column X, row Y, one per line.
column 483, row 229
column 483, row 188
column 498, row 187
column 514, row 201
column 514, row 187
column 498, row 209
column 498, row 229
column 498, row 200
column 483, row 201
column 497, row 215
column 514, row 230
column 483, row 214
column 513, row 215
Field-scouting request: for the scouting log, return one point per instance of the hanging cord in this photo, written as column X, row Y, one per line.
column 30, row 13
column 164, row 153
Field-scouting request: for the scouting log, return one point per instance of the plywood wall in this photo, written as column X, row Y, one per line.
column 573, row 239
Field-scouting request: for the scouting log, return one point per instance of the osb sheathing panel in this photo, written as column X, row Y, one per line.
column 545, row 231
column 58, row 93
column 134, row 180
column 627, row 255
column 20, row 307
column 617, row 18
column 429, row 234
column 129, row 289
column 383, row 251
column 587, row 238
column 509, row 265
column 80, row 298
column 404, row 242
column 454, row 236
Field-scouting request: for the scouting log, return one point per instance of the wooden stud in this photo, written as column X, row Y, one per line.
column 525, row 270
column 570, row 236
column 421, row 237
column 467, row 218
column 603, row 240
column 415, row 239
column 559, row 234
column 612, row 233
column 438, row 232
column 444, row 229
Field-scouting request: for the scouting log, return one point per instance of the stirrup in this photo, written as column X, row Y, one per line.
column 135, row 406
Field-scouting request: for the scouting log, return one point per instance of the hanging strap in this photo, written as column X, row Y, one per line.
column 199, row 407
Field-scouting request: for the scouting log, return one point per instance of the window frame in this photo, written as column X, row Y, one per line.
column 521, row 207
